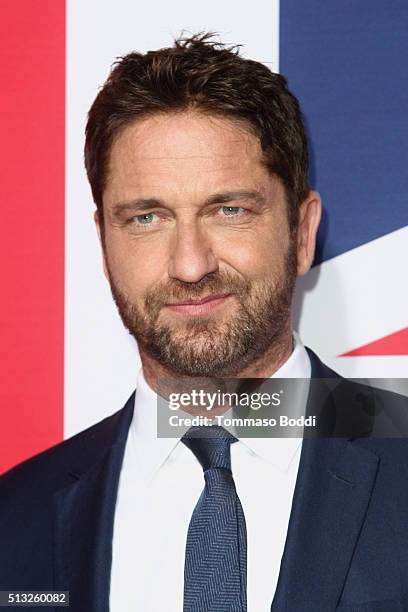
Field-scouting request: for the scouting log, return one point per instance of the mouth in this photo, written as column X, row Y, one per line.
column 199, row 307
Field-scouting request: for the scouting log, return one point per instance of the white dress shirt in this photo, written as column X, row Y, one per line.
column 159, row 486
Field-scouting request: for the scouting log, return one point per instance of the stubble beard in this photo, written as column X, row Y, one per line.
column 210, row 346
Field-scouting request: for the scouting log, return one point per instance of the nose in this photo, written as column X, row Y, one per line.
column 192, row 257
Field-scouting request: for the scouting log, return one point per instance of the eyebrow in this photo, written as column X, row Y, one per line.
column 142, row 204
column 229, row 196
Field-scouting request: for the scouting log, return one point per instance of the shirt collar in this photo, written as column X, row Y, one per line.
column 152, row 451
column 281, row 451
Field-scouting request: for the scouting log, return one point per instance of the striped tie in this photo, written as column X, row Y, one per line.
column 216, row 549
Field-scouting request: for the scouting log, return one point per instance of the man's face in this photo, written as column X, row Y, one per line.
column 197, row 245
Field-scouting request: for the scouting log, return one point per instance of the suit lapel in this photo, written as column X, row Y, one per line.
column 331, row 497
column 332, row 493
column 84, row 516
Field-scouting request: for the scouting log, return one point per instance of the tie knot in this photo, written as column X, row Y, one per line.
column 211, row 446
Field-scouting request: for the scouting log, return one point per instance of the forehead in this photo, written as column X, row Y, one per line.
column 182, row 152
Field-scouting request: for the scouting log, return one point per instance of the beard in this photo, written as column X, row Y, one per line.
column 212, row 346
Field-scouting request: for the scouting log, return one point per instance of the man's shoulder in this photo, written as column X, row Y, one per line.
column 359, row 409
column 51, row 469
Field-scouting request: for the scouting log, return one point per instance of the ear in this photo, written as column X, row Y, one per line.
column 309, row 218
column 100, row 230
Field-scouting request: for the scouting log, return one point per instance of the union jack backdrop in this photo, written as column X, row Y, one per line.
column 66, row 360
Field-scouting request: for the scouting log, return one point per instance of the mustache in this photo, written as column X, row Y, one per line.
column 211, row 284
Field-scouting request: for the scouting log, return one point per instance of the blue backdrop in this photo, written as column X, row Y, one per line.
column 347, row 61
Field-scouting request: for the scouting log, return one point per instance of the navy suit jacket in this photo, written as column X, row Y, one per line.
column 347, row 540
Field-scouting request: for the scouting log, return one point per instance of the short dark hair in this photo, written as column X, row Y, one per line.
column 201, row 73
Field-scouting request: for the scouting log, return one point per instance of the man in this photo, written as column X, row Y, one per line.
column 197, row 161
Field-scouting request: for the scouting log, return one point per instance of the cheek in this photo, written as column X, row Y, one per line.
column 136, row 265
column 255, row 255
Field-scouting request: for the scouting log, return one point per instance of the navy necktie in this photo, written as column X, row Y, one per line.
column 216, row 549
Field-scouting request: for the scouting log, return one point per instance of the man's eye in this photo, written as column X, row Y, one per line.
column 231, row 211
column 145, row 219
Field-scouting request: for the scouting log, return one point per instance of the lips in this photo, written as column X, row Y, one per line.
column 202, row 306
column 209, row 298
